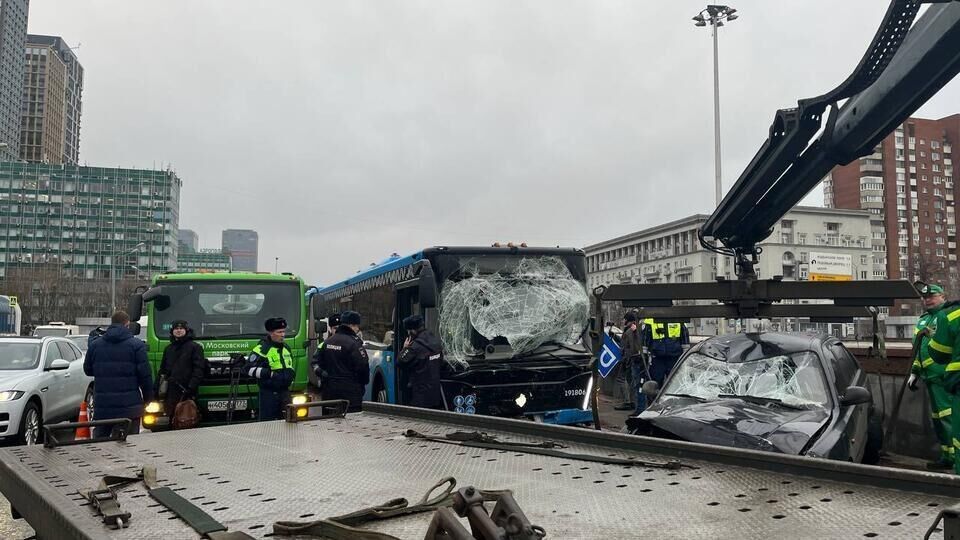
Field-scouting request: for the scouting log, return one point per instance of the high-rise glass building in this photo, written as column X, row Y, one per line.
column 52, row 101
column 189, row 241
column 86, row 222
column 243, row 247
column 13, row 35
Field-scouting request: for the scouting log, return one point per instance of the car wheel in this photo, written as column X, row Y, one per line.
column 88, row 397
column 31, row 425
column 871, row 451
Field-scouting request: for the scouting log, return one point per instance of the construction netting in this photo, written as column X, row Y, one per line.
column 528, row 303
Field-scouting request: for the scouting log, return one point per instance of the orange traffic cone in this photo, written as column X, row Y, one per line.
column 83, row 432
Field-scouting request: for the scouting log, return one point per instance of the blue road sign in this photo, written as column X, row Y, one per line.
column 609, row 356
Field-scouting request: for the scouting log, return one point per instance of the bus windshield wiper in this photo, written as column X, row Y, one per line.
column 759, row 400
column 691, row 396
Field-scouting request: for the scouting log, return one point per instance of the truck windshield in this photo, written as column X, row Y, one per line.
column 795, row 379
column 226, row 308
column 520, row 301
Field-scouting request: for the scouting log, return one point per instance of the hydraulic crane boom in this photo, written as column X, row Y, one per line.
column 902, row 68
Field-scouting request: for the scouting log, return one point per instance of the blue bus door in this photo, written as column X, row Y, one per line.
column 408, row 303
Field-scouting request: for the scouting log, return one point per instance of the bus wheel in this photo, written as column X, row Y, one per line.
column 380, row 393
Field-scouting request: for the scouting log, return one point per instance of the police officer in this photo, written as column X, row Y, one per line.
column 664, row 343
column 422, row 358
column 343, row 364
column 271, row 363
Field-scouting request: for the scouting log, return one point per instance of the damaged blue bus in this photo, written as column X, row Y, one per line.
column 513, row 322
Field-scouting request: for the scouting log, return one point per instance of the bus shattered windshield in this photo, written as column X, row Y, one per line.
column 523, row 302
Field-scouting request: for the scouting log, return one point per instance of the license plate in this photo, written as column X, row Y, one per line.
column 221, row 405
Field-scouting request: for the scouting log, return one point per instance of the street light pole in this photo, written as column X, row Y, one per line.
column 113, row 274
column 715, row 16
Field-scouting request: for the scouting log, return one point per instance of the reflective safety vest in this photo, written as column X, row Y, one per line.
column 657, row 330
column 274, row 359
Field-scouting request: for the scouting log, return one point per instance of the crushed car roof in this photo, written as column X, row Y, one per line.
column 755, row 346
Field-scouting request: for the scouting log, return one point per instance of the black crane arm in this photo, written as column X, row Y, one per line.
column 902, row 68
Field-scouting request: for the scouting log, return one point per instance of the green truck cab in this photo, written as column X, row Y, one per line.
column 226, row 311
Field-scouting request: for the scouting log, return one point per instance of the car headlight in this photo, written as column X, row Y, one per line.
column 299, row 399
column 10, row 395
column 153, row 407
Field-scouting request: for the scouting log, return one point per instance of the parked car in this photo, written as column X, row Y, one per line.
column 80, row 342
column 788, row 393
column 41, row 381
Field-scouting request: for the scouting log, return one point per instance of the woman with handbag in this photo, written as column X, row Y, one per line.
column 181, row 370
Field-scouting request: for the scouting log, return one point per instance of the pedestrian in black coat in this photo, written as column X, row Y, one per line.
column 182, row 367
column 121, row 375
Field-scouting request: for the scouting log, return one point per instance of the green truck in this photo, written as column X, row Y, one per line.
column 226, row 311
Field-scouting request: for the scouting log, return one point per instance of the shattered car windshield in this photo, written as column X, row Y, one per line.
column 795, row 379
column 521, row 301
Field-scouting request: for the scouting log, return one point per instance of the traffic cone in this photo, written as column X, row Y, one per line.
column 83, row 432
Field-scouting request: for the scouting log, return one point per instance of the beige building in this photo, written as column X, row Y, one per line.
column 43, row 108
column 671, row 253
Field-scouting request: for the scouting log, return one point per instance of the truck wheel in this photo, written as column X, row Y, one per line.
column 871, row 451
column 31, row 425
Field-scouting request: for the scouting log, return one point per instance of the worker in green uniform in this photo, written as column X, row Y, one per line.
column 944, row 349
column 932, row 374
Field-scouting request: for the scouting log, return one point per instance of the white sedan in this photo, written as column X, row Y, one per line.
column 41, row 381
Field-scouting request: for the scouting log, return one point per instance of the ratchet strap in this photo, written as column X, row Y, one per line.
column 104, row 500
column 345, row 527
column 481, row 441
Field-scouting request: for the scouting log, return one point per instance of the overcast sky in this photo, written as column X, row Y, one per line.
column 345, row 130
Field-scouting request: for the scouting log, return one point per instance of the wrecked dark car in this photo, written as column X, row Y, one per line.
column 788, row 393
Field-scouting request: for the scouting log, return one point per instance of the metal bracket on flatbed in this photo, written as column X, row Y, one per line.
column 951, row 524
column 118, row 433
column 506, row 522
column 301, row 412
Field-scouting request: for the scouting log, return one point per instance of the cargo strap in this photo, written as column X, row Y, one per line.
column 541, row 450
column 345, row 527
column 104, row 500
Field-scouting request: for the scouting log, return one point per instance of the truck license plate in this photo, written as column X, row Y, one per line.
column 221, row 405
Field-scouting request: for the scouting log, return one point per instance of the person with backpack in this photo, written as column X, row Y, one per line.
column 181, row 369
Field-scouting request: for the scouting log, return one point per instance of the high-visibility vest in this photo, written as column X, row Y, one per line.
column 658, row 331
column 274, row 358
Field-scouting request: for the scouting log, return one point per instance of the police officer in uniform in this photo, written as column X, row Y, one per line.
column 343, row 364
column 271, row 363
column 665, row 344
column 422, row 358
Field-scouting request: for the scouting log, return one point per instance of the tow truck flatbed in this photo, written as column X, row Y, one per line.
column 247, row 476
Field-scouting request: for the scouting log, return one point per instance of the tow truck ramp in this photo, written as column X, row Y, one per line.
column 249, row 476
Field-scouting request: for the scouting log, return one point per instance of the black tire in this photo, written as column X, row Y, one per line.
column 871, row 451
column 88, row 397
column 31, row 425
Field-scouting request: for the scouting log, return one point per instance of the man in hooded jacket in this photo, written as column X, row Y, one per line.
column 182, row 366
column 122, row 381
column 422, row 358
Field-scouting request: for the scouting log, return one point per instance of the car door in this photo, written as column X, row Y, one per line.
column 78, row 380
column 54, row 388
column 847, row 372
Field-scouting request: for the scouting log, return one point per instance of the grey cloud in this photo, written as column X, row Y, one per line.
column 344, row 131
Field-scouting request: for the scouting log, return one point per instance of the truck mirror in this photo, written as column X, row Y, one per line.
column 135, row 307
column 320, row 327
column 134, row 328
column 651, row 389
